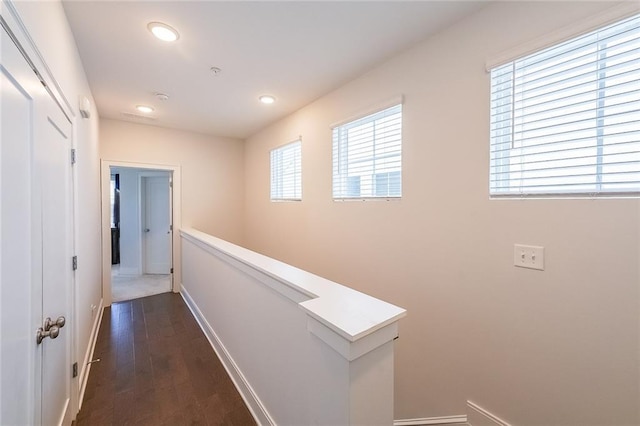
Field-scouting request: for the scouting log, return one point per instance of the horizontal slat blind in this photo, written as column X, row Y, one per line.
column 566, row 120
column 367, row 156
column 286, row 172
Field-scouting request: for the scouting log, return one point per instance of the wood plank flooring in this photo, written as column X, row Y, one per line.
column 158, row 368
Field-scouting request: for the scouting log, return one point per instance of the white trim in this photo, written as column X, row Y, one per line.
column 372, row 109
column 352, row 350
column 359, row 315
column 444, row 420
column 284, row 288
column 86, row 366
column 618, row 12
column 474, row 410
column 64, row 417
column 250, row 397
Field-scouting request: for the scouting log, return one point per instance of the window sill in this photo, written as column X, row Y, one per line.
column 340, row 200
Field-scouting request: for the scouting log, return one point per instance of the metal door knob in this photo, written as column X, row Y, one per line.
column 50, row 328
column 53, row 332
column 146, row 230
column 60, row 322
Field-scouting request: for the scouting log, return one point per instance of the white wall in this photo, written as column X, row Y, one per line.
column 48, row 27
column 212, row 170
column 534, row 348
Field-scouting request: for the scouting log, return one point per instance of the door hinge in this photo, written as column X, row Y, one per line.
column 74, row 262
column 73, row 156
column 171, row 271
column 75, row 369
column 170, row 184
column 170, row 227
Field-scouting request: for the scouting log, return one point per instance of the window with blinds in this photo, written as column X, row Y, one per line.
column 286, row 172
column 566, row 120
column 367, row 156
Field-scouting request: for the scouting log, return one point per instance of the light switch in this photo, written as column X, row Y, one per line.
column 531, row 257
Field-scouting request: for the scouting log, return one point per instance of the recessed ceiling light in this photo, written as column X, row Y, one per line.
column 267, row 99
column 145, row 109
column 163, row 31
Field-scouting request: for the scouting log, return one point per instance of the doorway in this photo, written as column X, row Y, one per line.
column 140, row 251
column 140, row 232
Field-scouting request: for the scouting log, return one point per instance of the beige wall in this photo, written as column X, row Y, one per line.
column 212, row 170
column 534, row 348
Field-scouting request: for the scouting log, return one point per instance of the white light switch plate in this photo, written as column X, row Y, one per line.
column 531, row 257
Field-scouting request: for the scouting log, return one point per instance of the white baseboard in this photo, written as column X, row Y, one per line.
column 65, row 417
column 431, row 421
column 478, row 416
column 86, row 367
column 256, row 407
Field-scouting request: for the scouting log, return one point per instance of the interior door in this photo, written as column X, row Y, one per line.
column 53, row 163
column 35, row 248
column 19, row 314
column 157, row 225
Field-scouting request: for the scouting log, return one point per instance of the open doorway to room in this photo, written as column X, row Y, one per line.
column 147, row 170
column 141, row 232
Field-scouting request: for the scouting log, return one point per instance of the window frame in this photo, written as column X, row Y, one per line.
column 279, row 176
column 345, row 182
column 560, row 185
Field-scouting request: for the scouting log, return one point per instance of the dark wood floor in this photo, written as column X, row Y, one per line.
column 158, row 368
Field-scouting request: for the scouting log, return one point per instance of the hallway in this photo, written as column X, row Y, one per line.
column 158, row 368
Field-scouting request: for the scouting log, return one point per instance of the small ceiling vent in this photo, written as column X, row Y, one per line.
column 137, row 117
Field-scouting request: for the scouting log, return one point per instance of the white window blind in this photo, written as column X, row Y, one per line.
column 367, row 156
column 286, row 172
column 566, row 120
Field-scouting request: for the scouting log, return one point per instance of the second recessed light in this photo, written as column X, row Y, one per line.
column 144, row 109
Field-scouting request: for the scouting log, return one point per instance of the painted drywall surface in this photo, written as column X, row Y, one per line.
column 534, row 348
column 48, row 27
column 212, row 170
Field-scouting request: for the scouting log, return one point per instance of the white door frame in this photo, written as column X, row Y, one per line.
column 105, row 181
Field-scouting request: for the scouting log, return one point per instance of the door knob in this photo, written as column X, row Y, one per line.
column 48, row 323
column 52, row 332
column 146, row 230
column 50, row 328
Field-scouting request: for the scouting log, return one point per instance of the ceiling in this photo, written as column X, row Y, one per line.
column 295, row 51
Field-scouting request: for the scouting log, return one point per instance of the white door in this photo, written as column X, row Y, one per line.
column 36, row 245
column 53, row 162
column 157, row 225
